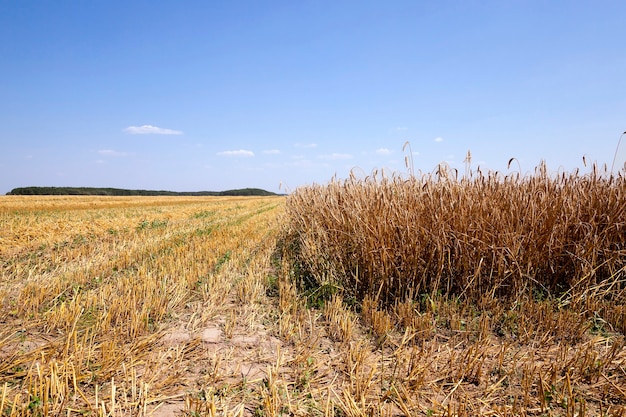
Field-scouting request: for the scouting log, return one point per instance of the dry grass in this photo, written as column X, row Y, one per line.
column 396, row 238
column 186, row 306
column 106, row 301
column 486, row 295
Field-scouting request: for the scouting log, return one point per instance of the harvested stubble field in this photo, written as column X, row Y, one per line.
column 420, row 296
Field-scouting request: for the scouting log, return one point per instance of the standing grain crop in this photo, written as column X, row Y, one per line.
column 506, row 236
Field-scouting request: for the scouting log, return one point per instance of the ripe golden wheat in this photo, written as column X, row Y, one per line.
column 505, row 236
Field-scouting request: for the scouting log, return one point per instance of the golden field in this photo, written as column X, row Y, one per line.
column 483, row 294
column 105, row 300
column 376, row 297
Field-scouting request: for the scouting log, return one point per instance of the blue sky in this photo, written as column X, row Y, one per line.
column 214, row 95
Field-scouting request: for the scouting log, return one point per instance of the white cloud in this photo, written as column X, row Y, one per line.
column 336, row 156
column 150, row 130
column 438, row 139
column 402, row 129
column 110, row 152
column 383, row 151
column 240, row 152
column 306, row 145
column 271, row 152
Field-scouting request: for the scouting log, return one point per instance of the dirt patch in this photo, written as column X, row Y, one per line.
column 176, row 336
column 212, row 335
column 169, row 409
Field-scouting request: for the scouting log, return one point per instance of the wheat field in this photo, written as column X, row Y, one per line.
column 106, row 302
column 310, row 304
column 484, row 294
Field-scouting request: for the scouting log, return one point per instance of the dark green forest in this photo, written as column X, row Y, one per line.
column 124, row 192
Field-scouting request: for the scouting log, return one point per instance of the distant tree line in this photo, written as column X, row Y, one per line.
column 124, row 192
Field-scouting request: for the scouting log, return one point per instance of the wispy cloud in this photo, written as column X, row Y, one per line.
column 336, row 156
column 271, row 152
column 306, row 145
column 150, row 130
column 240, row 152
column 383, row 151
column 110, row 152
column 438, row 139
